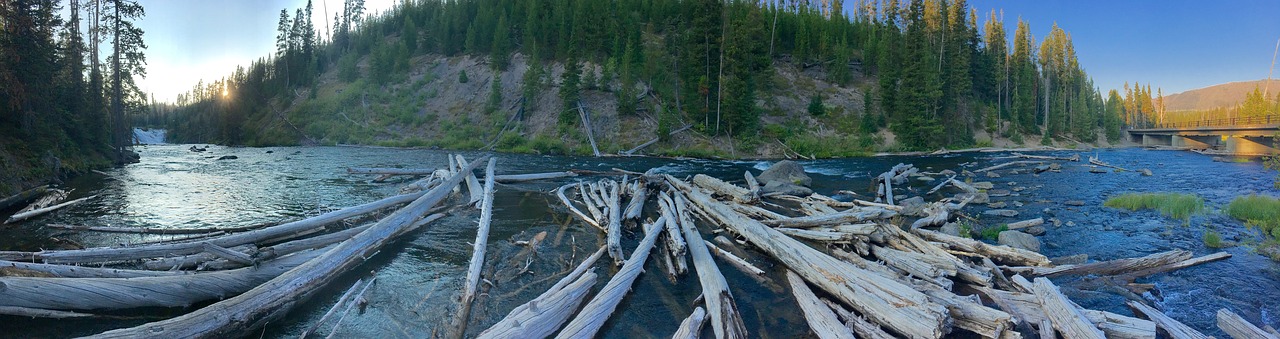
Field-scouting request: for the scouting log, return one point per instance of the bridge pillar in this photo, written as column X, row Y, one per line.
column 1194, row 142
column 1157, row 140
column 1252, row 145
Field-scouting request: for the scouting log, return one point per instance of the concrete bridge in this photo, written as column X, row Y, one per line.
column 1241, row 135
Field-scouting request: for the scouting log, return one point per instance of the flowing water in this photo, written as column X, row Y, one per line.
column 419, row 277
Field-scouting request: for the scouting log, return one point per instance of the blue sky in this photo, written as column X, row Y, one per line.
column 1176, row 45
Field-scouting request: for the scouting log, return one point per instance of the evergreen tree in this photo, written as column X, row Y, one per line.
column 500, row 53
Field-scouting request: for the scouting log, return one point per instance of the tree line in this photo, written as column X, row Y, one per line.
column 64, row 102
column 706, row 62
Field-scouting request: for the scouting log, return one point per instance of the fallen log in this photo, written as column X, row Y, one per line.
column 847, row 217
column 477, row 256
column 1027, row 307
column 1007, row 164
column 691, row 325
column 391, row 171
column 1016, row 155
column 822, row 321
column 1238, row 328
column 639, row 193
column 884, row 300
column 513, row 178
column 613, row 234
column 111, row 254
column 1173, row 328
column 542, row 316
column 273, row 299
column 753, row 186
column 23, row 197
column 1130, row 267
column 676, row 242
column 860, row 326
column 341, row 300
column 738, row 194
column 36, row 212
column 153, row 230
column 1003, row 254
column 41, row 313
column 69, row 271
column 476, row 192
column 225, row 253
column 356, row 299
column 734, row 260
column 1065, row 317
column 726, row 322
column 1026, row 223
column 1095, row 161
column 564, row 199
column 594, row 314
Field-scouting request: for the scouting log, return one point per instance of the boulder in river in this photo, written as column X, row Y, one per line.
column 1073, row 203
column 992, row 174
column 998, row 204
column 950, row 229
column 1017, row 239
column 778, row 187
column 978, row 198
column 228, row 157
column 785, row 171
column 1097, row 170
column 1001, row 213
column 1035, row 230
column 1145, row 172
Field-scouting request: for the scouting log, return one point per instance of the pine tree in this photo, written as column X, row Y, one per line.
column 500, row 53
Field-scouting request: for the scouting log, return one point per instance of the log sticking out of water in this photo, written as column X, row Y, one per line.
column 152, row 230
column 341, row 300
column 1238, row 328
column 36, row 212
column 726, row 322
column 1026, row 223
column 1174, row 328
column 23, row 197
column 822, row 321
column 1007, row 164
column 597, row 311
column 477, row 257
column 274, row 298
column 475, row 191
column 68, row 271
column 1000, row 254
column 391, row 171
column 543, row 315
column 690, row 327
column 565, row 200
column 639, row 193
column 856, row 215
column 1065, row 317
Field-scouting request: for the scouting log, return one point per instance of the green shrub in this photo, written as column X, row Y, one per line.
column 993, row 233
column 1212, row 239
column 462, row 77
column 815, row 106
column 347, row 70
column 1258, row 211
column 1175, row 205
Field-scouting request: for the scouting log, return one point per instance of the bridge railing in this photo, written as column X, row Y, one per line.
column 1234, row 121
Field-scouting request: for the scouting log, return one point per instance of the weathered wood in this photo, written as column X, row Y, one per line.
column 564, row 199
column 69, row 271
column 1026, row 223
column 1027, row 307
column 741, row 264
column 148, row 291
column 691, row 325
column 1173, row 328
column 676, row 242
column 108, row 254
column 37, row 212
column 639, row 193
column 152, row 230
column 477, row 257
column 887, row 180
column 1112, row 267
column 753, row 186
column 1238, row 328
column 543, row 315
column 42, row 313
column 596, row 312
column 1065, row 317
column 1096, row 161
column 589, row 199
column 223, row 252
column 847, row 217
column 1007, row 164
column 918, row 265
column 273, row 299
column 341, row 300
column 726, row 322
column 613, row 232
column 23, row 197
column 513, row 178
column 1000, row 254
column 476, row 192
column 859, row 325
column 886, row 301
column 588, row 127
column 1131, row 276
column 391, row 171
column 738, row 194
column 822, row 321
column 1016, row 155
column 356, row 299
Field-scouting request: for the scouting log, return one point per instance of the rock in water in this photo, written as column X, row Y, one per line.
column 785, row 171
column 1041, row 168
column 1035, row 230
column 950, row 229
column 1145, row 172
column 228, row 157
column 1001, row 213
column 1017, row 239
column 1074, row 203
column 778, row 187
column 998, row 204
column 1097, row 170
column 992, row 174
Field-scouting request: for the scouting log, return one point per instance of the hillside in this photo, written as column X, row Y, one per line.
column 1216, row 96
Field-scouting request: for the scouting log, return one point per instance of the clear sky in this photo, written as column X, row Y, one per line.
column 1176, row 45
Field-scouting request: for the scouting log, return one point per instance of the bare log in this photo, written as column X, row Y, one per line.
column 391, row 171
column 886, row 301
column 734, row 260
column 676, row 242
column 272, row 299
column 613, row 234
column 68, row 271
column 477, row 257
column 42, row 313
column 860, row 326
column 23, row 197
column 639, row 193
column 589, row 198
column 356, row 299
column 473, row 185
column 1065, row 317
column 1174, row 328
column 152, row 230
column 542, row 316
column 690, row 327
column 753, row 186
column 1007, row 164
column 594, row 314
column 575, row 210
column 738, row 194
column 1026, row 223
column 1238, row 328
column 1002, row 254
column 822, row 321
column 36, row 212
column 341, row 300
column 512, row 178
column 726, row 322
column 223, row 252
column 847, row 217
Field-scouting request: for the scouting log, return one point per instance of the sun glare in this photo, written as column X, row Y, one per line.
column 224, row 93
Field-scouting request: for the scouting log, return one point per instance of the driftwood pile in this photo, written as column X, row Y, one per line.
column 855, row 269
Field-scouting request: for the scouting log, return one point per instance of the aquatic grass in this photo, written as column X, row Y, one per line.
column 1174, row 205
column 1258, row 211
column 1212, row 239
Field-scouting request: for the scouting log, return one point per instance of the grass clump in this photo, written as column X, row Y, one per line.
column 993, row 233
column 1175, row 205
column 1258, row 211
column 1212, row 239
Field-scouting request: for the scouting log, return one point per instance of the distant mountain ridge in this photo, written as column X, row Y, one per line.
column 1222, row 95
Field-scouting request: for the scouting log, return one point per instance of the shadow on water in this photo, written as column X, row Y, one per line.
column 420, row 276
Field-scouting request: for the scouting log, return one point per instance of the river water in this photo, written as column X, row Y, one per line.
column 419, row 278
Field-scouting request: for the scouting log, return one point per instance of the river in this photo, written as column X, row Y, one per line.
column 419, row 277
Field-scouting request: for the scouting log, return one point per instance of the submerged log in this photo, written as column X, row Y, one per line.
column 36, row 212
column 273, row 299
column 564, row 199
column 726, row 322
column 341, row 300
column 391, row 171
column 1238, row 328
column 1174, row 328
column 477, row 256
column 885, row 300
column 542, row 316
column 597, row 311
column 690, row 327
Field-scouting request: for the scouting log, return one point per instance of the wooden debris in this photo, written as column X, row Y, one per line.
column 542, row 316
column 639, row 193
column 597, row 311
column 341, row 300
column 476, row 192
column 822, row 321
column 1238, row 328
column 1173, row 328
column 565, row 200
column 1095, row 161
column 725, row 319
column 1026, row 223
column 859, row 325
column 999, row 254
column 152, row 230
column 753, row 186
column 1065, row 317
column 738, row 194
column 847, row 217
column 691, row 325
column 1007, row 164
column 358, row 298
column 391, row 171
column 69, row 271
column 513, row 178
column 613, row 232
column 734, row 260
column 20, row 216
column 224, row 253
column 477, row 257
column 23, row 197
